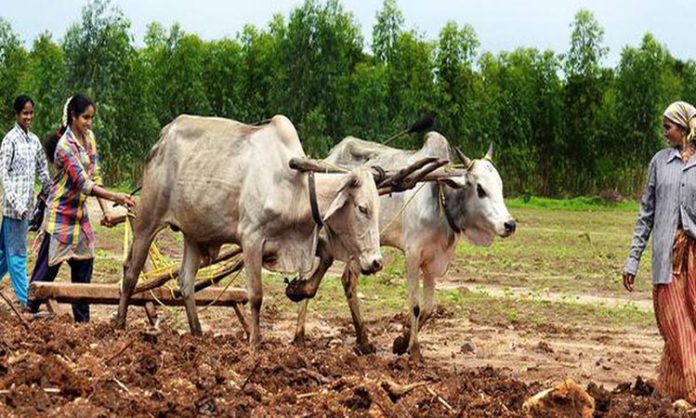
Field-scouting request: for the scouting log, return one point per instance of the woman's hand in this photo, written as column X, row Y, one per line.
column 628, row 280
column 124, row 200
column 108, row 220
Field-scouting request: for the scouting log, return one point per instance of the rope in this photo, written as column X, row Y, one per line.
column 400, row 211
column 163, row 265
column 221, row 292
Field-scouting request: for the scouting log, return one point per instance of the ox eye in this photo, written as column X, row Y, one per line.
column 363, row 209
column 480, row 191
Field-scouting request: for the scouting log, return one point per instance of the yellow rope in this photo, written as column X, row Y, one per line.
column 163, row 265
column 222, row 291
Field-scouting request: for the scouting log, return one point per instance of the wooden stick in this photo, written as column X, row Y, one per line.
column 308, row 164
column 404, row 172
column 121, row 351
column 54, row 307
column 428, row 173
column 24, row 321
column 110, row 294
column 256, row 366
column 440, row 399
column 124, row 387
column 241, row 316
column 151, row 313
column 50, row 391
column 397, row 391
column 174, row 273
column 309, row 394
column 320, row 378
column 202, row 284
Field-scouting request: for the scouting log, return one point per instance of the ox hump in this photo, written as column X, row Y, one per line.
column 435, row 145
column 285, row 129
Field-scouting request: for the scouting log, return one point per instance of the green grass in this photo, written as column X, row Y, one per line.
column 381, row 297
column 576, row 204
column 483, row 309
column 557, row 250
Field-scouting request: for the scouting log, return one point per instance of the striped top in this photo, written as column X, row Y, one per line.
column 668, row 201
column 77, row 171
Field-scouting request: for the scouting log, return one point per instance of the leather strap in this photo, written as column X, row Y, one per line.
column 443, row 202
column 313, row 200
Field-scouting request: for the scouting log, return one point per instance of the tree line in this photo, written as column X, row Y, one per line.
column 563, row 124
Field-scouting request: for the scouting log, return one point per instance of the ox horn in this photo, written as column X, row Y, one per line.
column 378, row 174
column 489, row 153
column 466, row 161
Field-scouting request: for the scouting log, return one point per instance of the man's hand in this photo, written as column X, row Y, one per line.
column 628, row 280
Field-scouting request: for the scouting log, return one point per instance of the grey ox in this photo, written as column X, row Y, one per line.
column 221, row 181
column 425, row 223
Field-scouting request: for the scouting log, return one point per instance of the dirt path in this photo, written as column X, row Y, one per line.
column 637, row 301
column 603, row 355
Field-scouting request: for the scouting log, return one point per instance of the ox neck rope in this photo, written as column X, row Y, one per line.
column 313, row 201
column 442, row 200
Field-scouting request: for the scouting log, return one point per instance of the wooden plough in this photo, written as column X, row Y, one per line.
column 152, row 291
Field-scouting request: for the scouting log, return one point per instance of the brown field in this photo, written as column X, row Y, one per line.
column 511, row 320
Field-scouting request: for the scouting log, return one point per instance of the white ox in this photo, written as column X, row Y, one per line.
column 220, row 181
column 425, row 223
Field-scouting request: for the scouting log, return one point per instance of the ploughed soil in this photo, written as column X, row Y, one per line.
column 57, row 368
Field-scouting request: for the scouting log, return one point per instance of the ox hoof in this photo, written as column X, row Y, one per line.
column 296, row 291
column 299, row 341
column 415, row 355
column 400, row 345
column 120, row 323
column 365, row 348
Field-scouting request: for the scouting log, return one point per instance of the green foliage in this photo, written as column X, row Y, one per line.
column 455, row 81
column 575, row 204
column 45, row 83
column 13, row 58
column 563, row 124
column 389, row 26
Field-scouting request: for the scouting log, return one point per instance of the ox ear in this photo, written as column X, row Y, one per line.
column 458, row 182
column 342, row 197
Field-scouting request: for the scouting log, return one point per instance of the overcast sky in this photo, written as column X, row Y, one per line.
column 501, row 25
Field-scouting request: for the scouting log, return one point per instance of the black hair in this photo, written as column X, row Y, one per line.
column 78, row 105
column 20, row 102
column 52, row 143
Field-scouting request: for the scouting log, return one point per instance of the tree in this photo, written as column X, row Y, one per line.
column 46, row 84
column 411, row 84
column 585, row 84
column 455, row 54
column 263, row 73
column 531, row 96
column 386, row 32
column 102, row 62
column 13, row 60
column 646, row 83
column 322, row 47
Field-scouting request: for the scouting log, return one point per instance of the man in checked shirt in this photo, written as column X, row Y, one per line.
column 22, row 160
